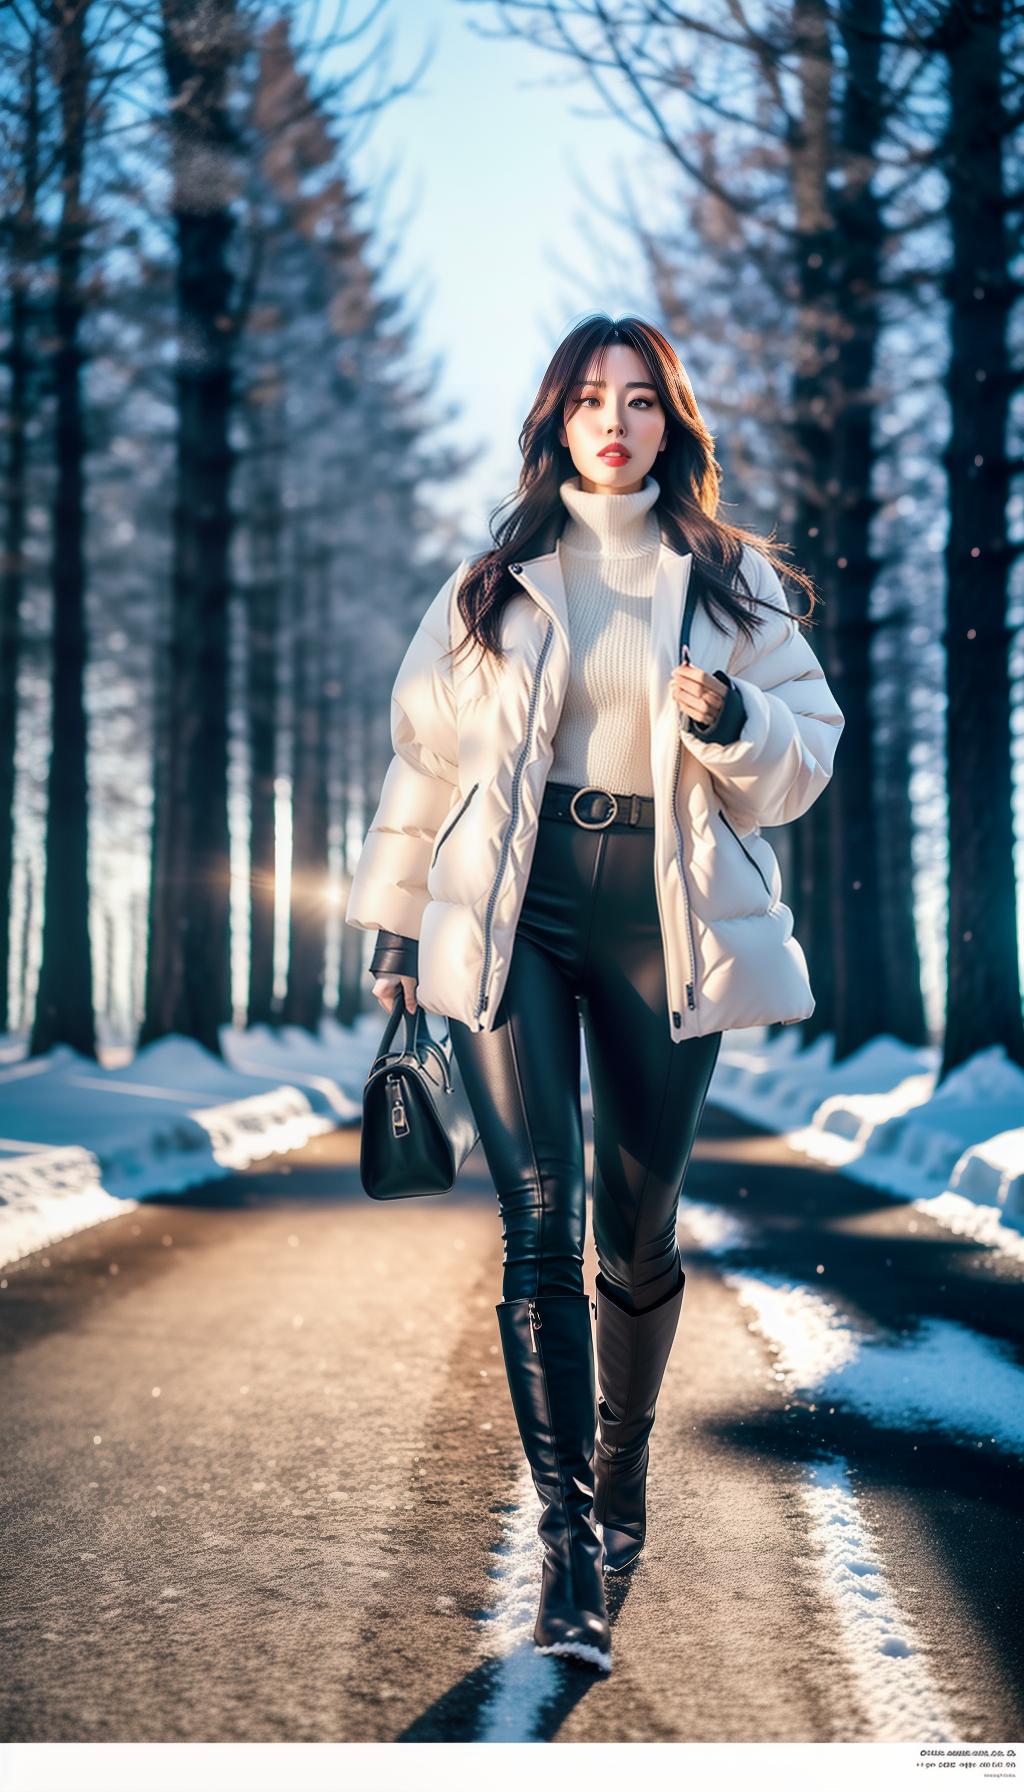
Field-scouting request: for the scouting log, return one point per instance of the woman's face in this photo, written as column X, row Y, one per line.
column 619, row 428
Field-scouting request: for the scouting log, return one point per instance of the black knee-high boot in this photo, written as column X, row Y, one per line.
column 632, row 1355
column 549, row 1359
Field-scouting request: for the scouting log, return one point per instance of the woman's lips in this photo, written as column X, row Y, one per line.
column 614, row 457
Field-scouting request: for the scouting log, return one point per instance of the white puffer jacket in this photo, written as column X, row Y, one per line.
column 447, row 855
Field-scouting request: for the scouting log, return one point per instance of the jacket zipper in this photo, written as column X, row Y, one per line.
column 535, row 1324
column 463, row 806
column 744, row 851
column 684, row 641
column 483, row 999
column 690, row 997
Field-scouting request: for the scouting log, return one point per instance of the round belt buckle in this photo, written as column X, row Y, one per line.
column 583, row 790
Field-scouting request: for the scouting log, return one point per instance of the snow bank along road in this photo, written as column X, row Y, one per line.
column 263, row 1479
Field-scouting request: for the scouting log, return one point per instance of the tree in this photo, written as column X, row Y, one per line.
column 64, row 1001
column 187, row 986
column 20, row 229
column 983, row 971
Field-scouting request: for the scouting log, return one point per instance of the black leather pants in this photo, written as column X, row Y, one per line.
column 588, row 943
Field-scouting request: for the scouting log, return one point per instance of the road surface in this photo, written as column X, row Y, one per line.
column 263, row 1481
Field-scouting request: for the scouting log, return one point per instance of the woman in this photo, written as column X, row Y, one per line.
column 570, row 830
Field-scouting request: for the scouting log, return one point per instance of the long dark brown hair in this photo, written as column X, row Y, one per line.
column 686, row 470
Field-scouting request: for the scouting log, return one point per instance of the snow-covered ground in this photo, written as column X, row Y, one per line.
column 956, row 1151
column 939, row 1376
column 79, row 1140
column 936, row 1377
column 886, row 1661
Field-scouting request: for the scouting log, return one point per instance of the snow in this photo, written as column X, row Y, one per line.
column 80, row 1141
column 889, row 1668
column 810, row 1342
column 47, row 1195
column 943, row 1377
column 525, row 1679
column 969, row 1220
column 936, row 1375
column 956, row 1150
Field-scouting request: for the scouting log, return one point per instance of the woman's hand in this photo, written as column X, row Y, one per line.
column 698, row 693
column 384, row 990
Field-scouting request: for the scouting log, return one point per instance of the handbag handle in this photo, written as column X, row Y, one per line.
column 414, row 1024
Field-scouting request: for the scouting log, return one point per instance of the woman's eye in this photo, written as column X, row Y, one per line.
column 649, row 402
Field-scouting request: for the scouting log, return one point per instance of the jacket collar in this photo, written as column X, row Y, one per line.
column 541, row 577
column 549, row 537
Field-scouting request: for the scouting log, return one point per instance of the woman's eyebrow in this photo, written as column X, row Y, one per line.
column 648, row 384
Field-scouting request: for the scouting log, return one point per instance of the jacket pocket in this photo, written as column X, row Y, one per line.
column 456, row 818
column 748, row 856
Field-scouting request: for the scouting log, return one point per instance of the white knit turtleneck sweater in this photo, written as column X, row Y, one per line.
column 609, row 553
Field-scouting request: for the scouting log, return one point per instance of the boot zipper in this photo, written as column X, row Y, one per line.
column 483, row 998
column 535, row 1326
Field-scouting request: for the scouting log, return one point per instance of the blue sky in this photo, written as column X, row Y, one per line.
column 505, row 176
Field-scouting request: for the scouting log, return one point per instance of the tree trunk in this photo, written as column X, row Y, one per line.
column 12, row 566
column 983, row 997
column 861, row 989
column 901, row 959
column 351, row 946
column 23, row 964
column 263, row 648
column 303, row 1006
column 367, row 720
column 64, row 999
column 188, row 988
column 813, row 444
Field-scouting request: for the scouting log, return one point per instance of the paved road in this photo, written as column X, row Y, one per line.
column 263, row 1481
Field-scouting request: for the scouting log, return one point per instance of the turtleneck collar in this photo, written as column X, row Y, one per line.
column 611, row 525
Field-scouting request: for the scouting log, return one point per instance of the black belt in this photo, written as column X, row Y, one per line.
column 591, row 806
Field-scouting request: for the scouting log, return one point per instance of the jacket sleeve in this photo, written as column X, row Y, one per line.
column 730, row 720
column 389, row 884
column 394, row 955
column 782, row 758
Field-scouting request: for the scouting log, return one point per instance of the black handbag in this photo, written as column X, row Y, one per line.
column 418, row 1126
